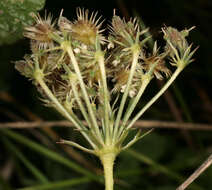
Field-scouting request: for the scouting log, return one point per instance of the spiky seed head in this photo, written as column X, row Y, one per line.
column 124, row 33
column 157, row 59
column 85, row 28
column 63, row 23
column 40, row 31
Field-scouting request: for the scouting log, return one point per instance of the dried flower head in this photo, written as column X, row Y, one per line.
column 155, row 63
column 40, row 32
column 121, row 79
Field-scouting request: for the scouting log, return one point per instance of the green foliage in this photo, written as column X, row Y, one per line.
column 14, row 14
column 50, row 154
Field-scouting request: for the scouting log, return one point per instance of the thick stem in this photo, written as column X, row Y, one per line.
column 107, row 162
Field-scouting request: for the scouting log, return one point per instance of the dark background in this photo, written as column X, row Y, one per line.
column 188, row 100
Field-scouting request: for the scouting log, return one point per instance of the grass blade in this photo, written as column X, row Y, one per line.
column 50, row 154
column 59, row 185
column 15, row 151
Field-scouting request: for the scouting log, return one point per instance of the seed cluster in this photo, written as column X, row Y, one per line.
column 86, row 38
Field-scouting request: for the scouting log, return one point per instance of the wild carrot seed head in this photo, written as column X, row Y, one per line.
column 40, row 32
column 86, row 28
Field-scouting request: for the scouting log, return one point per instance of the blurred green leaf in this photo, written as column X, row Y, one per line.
column 59, row 185
column 190, row 160
column 130, row 173
column 154, row 149
column 50, row 154
column 183, row 103
column 14, row 14
column 159, row 167
column 35, row 171
column 154, row 164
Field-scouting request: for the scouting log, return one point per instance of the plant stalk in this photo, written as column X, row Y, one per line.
column 124, row 98
column 107, row 109
column 60, row 108
column 134, row 103
column 108, row 162
column 165, row 87
column 85, row 95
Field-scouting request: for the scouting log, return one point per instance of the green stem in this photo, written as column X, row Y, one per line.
column 136, row 138
column 73, row 82
column 82, row 109
column 84, row 113
column 108, row 162
column 76, row 145
column 135, row 100
column 59, row 107
column 132, row 106
column 170, row 81
column 124, row 98
column 82, row 85
column 108, row 128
